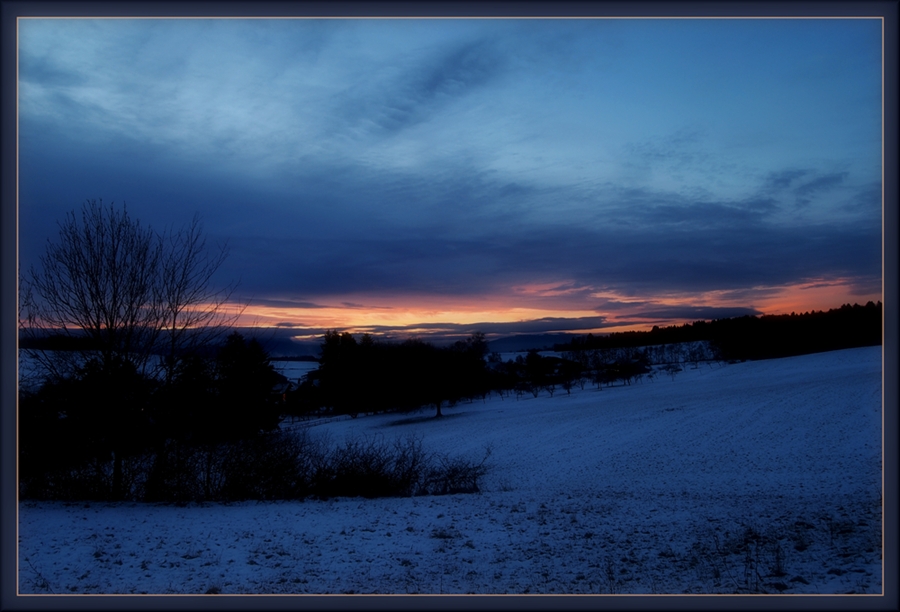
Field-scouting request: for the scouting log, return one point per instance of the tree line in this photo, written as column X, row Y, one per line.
column 369, row 376
column 758, row 337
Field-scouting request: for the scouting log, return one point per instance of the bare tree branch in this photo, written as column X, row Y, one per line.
column 126, row 291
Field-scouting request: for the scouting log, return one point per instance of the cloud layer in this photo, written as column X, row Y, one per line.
column 422, row 159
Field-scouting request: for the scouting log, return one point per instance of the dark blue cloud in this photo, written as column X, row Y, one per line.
column 462, row 233
column 696, row 313
column 676, row 151
column 387, row 103
column 864, row 200
column 286, row 303
column 824, row 183
column 784, row 178
column 706, row 215
column 701, row 258
column 457, row 70
column 533, row 326
column 44, row 71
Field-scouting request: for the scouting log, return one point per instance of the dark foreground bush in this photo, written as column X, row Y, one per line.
column 455, row 475
column 270, row 466
column 370, row 468
column 89, row 480
column 375, row 468
column 275, row 466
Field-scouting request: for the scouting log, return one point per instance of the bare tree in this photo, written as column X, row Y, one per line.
column 192, row 313
column 120, row 293
column 123, row 290
column 97, row 284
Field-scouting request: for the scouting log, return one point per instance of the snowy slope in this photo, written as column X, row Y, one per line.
column 757, row 477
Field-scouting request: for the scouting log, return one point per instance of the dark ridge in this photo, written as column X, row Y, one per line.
column 763, row 337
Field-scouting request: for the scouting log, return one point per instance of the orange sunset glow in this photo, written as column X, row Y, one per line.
column 417, row 315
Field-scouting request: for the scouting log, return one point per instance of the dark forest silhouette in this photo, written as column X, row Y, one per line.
column 763, row 337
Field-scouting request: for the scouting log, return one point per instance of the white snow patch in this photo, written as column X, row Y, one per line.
column 753, row 477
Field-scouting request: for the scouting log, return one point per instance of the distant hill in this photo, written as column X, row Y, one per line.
column 285, row 347
column 276, row 342
column 525, row 342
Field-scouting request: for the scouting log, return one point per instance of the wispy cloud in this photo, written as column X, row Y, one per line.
column 385, row 102
column 783, row 179
column 819, row 184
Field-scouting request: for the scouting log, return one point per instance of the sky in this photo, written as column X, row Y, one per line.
column 435, row 177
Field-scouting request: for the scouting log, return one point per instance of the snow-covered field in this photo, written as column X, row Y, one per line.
column 752, row 477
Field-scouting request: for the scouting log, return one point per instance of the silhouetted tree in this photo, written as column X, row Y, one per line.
column 245, row 379
column 569, row 373
column 124, row 290
column 581, row 368
column 339, row 372
column 100, row 412
column 598, row 368
column 193, row 314
column 119, row 294
column 100, row 279
column 374, row 376
column 470, row 373
column 541, row 372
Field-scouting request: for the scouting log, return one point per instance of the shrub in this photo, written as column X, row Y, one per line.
column 455, row 475
column 269, row 466
column 274, row 466
column 90, row 479
column 358, row 468
column 373, row 468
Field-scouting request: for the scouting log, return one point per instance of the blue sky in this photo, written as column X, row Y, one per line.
column 437, row 176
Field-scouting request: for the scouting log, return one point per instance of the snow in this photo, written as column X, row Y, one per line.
column 751, row 477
